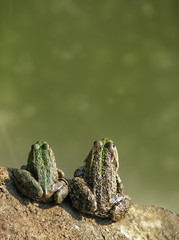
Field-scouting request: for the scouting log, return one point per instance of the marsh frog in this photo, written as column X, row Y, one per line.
column 40, row 180
column 96, row 187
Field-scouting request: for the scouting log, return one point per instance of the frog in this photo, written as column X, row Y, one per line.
column 96, row 187
column 40, row 179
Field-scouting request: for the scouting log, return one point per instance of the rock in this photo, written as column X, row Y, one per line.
column 22, row 218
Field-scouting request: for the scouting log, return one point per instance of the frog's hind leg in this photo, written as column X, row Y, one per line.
column 27, row 184
column 82, row 196
column 120, row 207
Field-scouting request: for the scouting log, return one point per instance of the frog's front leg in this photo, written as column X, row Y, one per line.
column 119, row 184
column 82, row 196
column 120, row 207
column 27, row 184
column 61, row 190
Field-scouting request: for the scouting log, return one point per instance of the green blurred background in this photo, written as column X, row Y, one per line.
column 72, row 72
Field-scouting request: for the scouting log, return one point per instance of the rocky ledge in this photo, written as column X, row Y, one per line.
column 22, row 218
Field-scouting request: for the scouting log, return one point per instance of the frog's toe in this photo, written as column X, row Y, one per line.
column 118, row 211
column 61, row 193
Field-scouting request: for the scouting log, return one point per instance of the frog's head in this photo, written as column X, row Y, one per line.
column 40, row 156
column 40, row 146
column 106, row 151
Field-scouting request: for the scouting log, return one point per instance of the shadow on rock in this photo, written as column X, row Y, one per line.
column 76, row 214
column 66, row 204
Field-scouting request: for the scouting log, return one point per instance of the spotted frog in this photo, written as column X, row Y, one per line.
column 96, row 187
column 40, row 180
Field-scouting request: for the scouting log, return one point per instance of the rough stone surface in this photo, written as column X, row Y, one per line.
column 22, row 218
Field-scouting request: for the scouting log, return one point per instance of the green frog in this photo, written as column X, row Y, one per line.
column 40, row 180
column 96, row 187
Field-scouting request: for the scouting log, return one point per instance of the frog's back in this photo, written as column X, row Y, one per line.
column 41, row 163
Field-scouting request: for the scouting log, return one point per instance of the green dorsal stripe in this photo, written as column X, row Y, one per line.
column 102, row 157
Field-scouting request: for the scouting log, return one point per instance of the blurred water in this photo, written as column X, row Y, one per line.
column 72, row 72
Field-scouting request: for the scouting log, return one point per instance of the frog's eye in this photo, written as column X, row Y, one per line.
column 98, row 144
column 36, row 146
column 108, row 145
